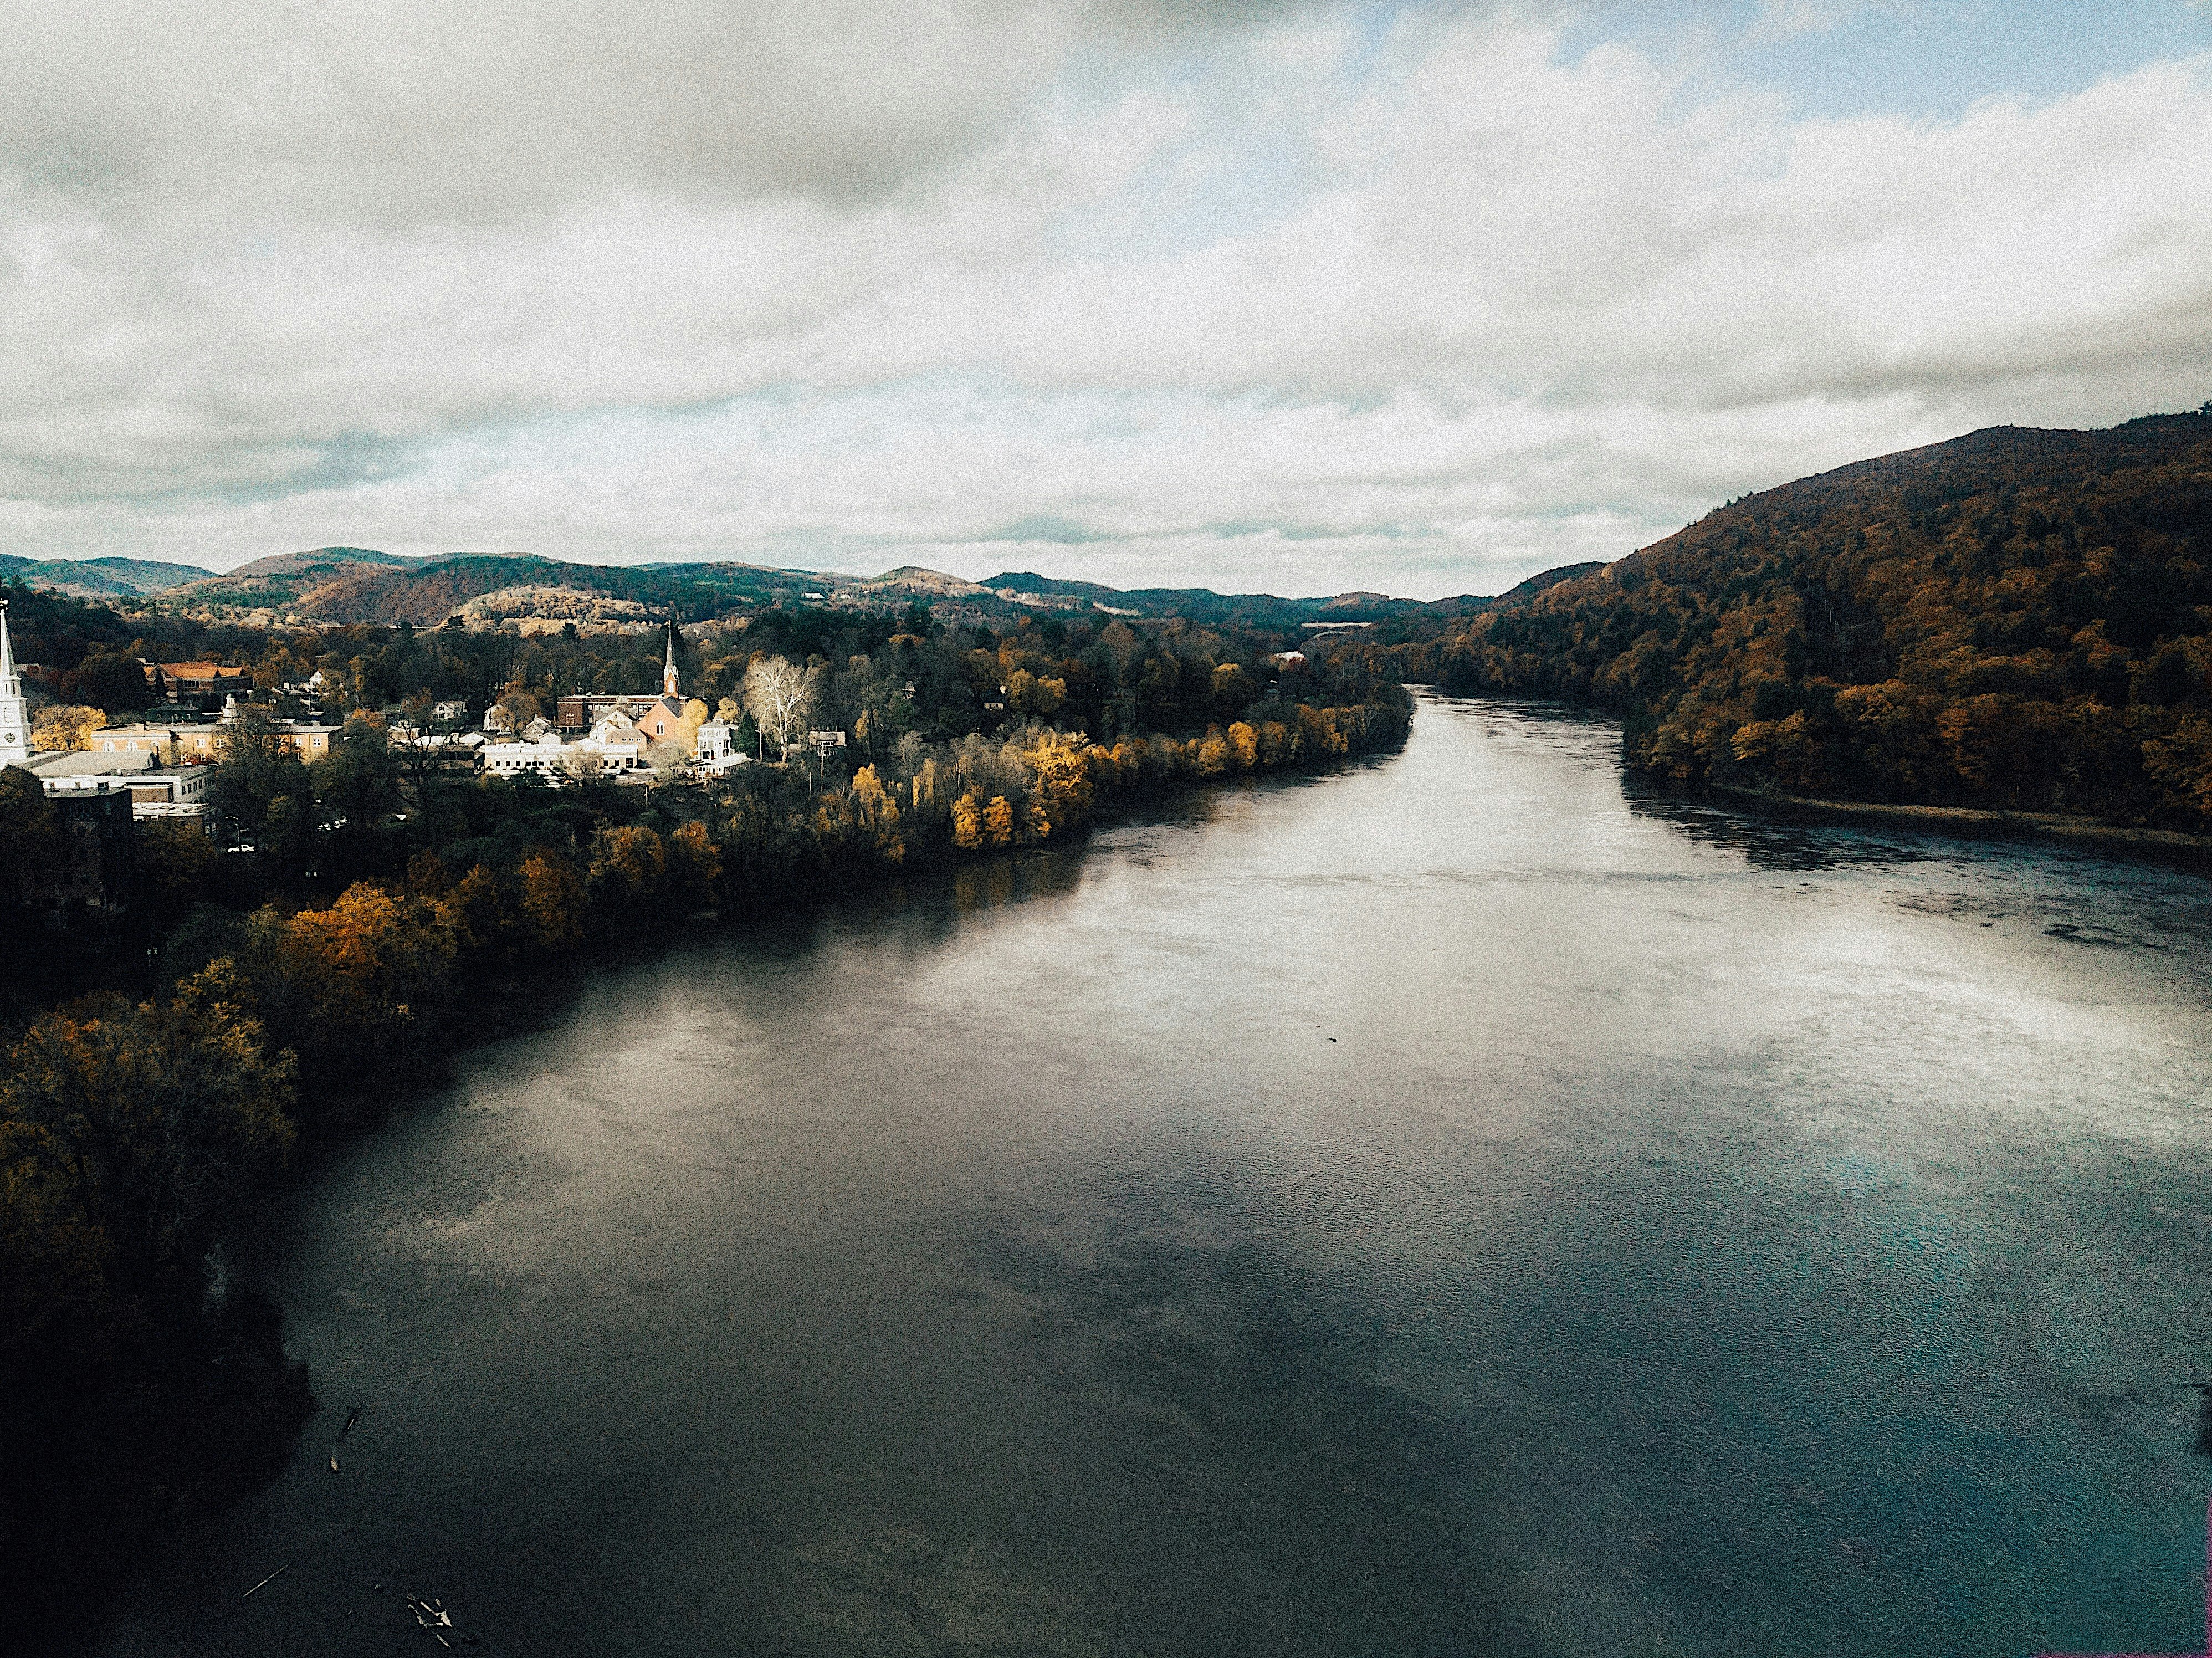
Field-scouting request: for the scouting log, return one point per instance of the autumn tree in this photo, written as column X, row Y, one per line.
column 629, row 867
column 876, row 815
column 967, row 821
column 354, row 981
column 158, row 1121
column 694, row 863
column 514, row 710
column 695, row 713
column 66, row 728
column 553, row 900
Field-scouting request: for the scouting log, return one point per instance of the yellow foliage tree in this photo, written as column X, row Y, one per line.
column 694, row 716
column 356, row 975
column 2180, row 762
column 1063, row 766
column 967, row 823
column 999, row 822
column 878, row 814
column 1243, row 746
column 66, row 728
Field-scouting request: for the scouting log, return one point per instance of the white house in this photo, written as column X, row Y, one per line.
column 717, row 751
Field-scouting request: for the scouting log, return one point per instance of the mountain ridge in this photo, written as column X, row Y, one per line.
column 2019, row 618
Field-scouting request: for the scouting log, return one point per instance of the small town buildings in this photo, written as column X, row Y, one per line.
column 583, row 711
column 546, row 756
column 175, row 681
column 660, row 717
column 615, row 748
column 624, row 737
column 178, row 742
column 155, row 790
column 160, row 741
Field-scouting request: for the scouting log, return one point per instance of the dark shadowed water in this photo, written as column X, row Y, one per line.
column 1447, row 1206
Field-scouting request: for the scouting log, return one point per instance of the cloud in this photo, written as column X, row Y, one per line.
column 1786, row 19
column 407, row 111
column 1291, row 296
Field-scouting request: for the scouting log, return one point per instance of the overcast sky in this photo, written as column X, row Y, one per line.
column 1299, row 297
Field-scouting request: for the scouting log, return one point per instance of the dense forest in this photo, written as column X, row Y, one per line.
column 276, row 983
column 2018, row 619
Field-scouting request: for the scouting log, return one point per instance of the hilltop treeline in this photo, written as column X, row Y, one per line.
column 2016, row 619
column 425, row 594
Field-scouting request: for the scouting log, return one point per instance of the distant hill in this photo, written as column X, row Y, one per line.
column 321, row 560
column 2014, row 618
column 1203, row 604
column 913, row 579
column 352, row 585
column 358, row 585
column 99, row 578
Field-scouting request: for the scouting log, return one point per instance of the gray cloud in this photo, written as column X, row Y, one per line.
column 407, row 111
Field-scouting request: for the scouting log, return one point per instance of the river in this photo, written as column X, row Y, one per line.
column 1452, row 1205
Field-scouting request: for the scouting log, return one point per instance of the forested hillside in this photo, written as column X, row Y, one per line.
column 348, row 585
column 2016, row 618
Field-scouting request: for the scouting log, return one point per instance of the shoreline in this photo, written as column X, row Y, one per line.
column 2173, row 847
column 1981, row 823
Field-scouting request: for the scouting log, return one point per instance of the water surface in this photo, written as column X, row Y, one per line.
column 1450, row 1205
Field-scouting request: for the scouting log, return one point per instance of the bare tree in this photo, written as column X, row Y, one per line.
column 779, row 695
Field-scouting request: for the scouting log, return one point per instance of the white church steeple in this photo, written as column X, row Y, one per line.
column 15, row 728
column 668, row 673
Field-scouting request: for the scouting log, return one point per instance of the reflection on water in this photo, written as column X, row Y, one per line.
column 1450, row 1205
column 1772, row 843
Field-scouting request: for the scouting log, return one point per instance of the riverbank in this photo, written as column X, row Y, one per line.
column 2164, row 846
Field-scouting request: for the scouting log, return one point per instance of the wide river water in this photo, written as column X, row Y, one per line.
column 1449, row 1206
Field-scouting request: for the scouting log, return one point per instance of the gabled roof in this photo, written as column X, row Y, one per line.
column 200, row 670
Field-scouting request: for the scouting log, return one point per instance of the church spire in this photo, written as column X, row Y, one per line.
column 14, row 729
column 668, row 674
